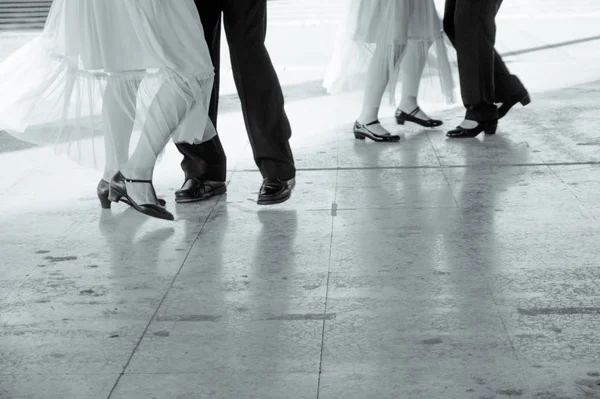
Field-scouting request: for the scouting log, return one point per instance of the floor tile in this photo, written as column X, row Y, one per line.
column 56, row 386
column 213, row 384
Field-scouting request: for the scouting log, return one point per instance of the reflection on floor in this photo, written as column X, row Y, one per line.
column 424, row 269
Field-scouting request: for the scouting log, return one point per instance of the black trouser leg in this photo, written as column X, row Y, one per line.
column 207, row 161
column 258, row 87
column 506, row 84
column 484, row 78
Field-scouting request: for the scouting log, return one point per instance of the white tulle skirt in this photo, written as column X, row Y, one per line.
column 131, row 69
column 376, row 33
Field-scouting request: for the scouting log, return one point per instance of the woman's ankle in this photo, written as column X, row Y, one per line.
column 108, row 175
column 408, row 104
column 137, row 173
column 368, row 115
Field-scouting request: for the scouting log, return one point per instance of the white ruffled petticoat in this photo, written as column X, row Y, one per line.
column 131, row 68
column 379, row 31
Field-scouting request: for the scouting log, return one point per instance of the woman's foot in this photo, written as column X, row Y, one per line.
column 140, row 195
column 103, row 189
column 374, row 131
column 416, row 116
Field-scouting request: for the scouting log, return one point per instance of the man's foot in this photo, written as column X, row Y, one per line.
column 469, row 124
column 522, row 98
column 470, row 128
column 275, row 191
column 194, row 190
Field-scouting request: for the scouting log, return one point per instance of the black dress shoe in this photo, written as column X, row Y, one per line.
column 103, row 189
column 522, row 98
column 362, row 132
column 402, row 117
column 118, row 191
column 275, row 191
column 194, row 190
column 488, row 127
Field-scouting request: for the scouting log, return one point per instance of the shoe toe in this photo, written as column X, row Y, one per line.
column 157, row 212
column 275, row 191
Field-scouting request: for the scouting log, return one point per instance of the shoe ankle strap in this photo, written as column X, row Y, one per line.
column 136, row 180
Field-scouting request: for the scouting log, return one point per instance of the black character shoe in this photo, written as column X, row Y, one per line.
column 118, row 191
column 522, row 98
column 194, row 190
column 488, row 127
column 402, row 117
column 362, row 131
column 103, row 189
column 275, row 191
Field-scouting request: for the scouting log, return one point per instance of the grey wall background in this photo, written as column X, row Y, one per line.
column 23, row 14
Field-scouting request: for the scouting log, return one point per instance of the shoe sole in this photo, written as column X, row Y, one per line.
column 118, row 196
column 274, row 202
column 378, row 138
column 401, row 121
column 161, row 201
column 217, row 191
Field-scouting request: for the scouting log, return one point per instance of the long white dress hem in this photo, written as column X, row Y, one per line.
column 119, row 67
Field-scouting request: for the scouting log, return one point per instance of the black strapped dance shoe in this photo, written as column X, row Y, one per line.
column 488, row 127
column 118, row 191
column 402, row 117
column 362, row 132
column 102, row 191
column 522, row 98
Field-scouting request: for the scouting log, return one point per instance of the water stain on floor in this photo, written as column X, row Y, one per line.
column 56, row 259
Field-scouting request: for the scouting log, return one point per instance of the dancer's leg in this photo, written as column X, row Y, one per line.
column 166, row 112
column 413, row 65
column 378, row 78
column 259, row 89
column 506, row 85
column 118, row 113
column 207, row 161
column 475, row 34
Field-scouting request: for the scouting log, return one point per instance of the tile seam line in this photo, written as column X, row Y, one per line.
column 162, row 300
column 486, row 166
column 568, row 187
column 325, row 309
column 446, row 178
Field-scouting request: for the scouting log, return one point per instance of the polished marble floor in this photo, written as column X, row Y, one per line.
column 425, row 269
column 428, row 268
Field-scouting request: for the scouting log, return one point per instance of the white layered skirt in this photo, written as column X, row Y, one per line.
column 377, row 31
column 101, row 64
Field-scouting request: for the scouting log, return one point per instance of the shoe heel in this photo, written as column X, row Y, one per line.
column 400, row 121
column 491, row 129
column 525, row 101
column 104, row 202
column 221, row 190
column 114, row 196
column 359, row 136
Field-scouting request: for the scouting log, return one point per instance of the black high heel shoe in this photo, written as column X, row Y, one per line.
column 522, row 98
column 402, row 117
column 103, row 189
column 362, row 132
column 118, row 191
column 488, row 127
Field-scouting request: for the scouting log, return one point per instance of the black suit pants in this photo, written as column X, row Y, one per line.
column 257, row 85
column 484, row 78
